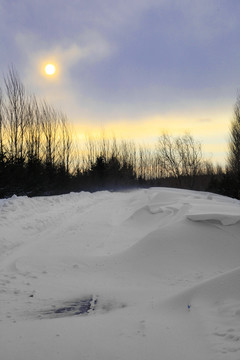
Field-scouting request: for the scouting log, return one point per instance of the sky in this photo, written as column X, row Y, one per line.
column 134, row 68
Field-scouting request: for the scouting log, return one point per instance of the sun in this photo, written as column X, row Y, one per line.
column 50, row 69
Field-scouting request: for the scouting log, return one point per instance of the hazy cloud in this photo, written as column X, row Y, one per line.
column 88, row 48
column 89, row 45
column 126, row 58
column 205, row 120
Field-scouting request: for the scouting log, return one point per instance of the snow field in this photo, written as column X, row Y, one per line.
column 162, row 264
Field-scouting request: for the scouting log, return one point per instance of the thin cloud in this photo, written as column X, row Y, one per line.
column 205, row 120
column 89, row 47
column 127, row 59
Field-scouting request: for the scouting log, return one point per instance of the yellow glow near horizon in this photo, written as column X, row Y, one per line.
column 152, row 127
column 50, row 69
column 212, row 133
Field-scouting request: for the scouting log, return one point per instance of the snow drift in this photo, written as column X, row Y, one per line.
column 146, row 274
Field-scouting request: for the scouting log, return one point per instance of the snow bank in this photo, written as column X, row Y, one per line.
column 157, row 270
column 222, row 218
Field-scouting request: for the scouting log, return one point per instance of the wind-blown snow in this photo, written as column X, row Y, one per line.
column 157, row 271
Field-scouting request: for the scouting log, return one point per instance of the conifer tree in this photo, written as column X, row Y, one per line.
column 233, row 161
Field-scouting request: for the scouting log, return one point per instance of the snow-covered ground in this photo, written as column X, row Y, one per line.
column 157, row 270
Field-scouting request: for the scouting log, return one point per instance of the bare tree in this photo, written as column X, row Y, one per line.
column 66, row 140
column 1, row 126
column 208, row 168
column 16, row 113
column 90, row 152
column 49, row 127
column 146, row 168
column 233, row 161
column 190, row 153
column 127, row 154
column 180, row 156
column 169, row 156
column 32, row 134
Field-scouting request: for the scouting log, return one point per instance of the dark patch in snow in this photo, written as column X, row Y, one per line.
column 81, row 306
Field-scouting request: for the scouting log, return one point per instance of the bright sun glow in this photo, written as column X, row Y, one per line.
column 50, row 69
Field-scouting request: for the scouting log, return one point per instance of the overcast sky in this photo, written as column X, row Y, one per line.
column 137, row 67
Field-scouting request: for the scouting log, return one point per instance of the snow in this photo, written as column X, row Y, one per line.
column 159, row 269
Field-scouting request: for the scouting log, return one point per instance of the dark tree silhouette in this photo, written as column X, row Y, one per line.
column 233, row 160
column 39, row 156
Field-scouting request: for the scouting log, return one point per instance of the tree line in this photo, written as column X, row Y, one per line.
column 39, row 154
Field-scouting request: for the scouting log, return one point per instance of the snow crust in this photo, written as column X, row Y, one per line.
column 160, row 266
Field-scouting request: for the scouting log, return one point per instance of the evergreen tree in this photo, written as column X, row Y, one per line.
column 233, row 161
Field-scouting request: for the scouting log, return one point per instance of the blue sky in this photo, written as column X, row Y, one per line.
column 135, row 67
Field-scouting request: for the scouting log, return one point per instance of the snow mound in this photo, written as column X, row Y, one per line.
column 215, row 212
column 215, row 305
column 214, row 291
column 156, row 272
column 222, row 218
